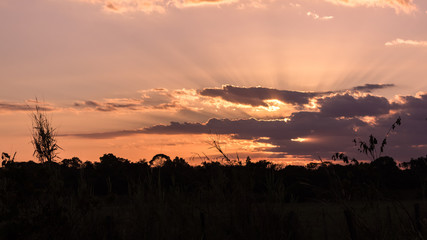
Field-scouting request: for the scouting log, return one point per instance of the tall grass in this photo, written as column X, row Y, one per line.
column 117, row 199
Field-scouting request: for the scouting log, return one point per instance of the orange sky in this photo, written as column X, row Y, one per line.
column 118, row 68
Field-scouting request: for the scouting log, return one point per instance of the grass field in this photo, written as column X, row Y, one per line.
column 116, row 199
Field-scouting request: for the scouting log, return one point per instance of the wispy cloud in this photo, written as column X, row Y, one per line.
column 191, row 3
column 110, row 105
column 157, row 6
column 371, row 87
column 406, row 6
column 403, row 42
column 28, row 105
column 7, row 106
column 316, row 16
column 297, row 5
column 161, row 6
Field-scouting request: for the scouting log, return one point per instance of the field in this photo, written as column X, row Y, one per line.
column 169, row 199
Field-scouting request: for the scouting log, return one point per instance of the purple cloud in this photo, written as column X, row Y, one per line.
column 371, row 87
column 330, row 129
column 349, row 106
column 255, row 96
column 29, row 106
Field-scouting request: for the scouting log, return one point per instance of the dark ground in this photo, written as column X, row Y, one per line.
column 168, row 199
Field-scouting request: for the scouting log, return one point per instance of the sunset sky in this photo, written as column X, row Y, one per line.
column 287, row 81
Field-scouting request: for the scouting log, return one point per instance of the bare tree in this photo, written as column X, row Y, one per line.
column 43, row 137
column 215, row 144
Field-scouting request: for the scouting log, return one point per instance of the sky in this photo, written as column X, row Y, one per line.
column 287, row 81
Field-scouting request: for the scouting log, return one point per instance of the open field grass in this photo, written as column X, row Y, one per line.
column 116, row 199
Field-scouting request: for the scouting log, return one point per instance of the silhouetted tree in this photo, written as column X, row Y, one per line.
column 111, row 159
column 179, row 162
column 74, row 162
column 384, row 163
column 417, row 165
column 43, row 137
column 418, row 168
column 159, row 159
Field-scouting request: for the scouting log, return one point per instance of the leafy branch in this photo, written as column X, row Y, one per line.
column 370, row 148
column 344, row 158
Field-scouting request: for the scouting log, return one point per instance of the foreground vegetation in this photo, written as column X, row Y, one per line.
column 169, row 199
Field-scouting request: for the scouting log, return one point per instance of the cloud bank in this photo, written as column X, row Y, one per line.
column 340, row 119
column 256, row 96
column 349, row 106
column 327, row 126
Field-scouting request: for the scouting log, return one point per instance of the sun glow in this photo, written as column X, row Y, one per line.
column 299, row 139
column 273, row 105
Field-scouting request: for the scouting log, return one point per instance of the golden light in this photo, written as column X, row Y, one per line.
column 299, row 139
column 369, row 120
column 273, row 105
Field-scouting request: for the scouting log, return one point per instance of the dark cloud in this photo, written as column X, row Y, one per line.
column 370, row 87
column 255, row 96
column 349, row 106
column 416, row 107
column 6, row 106
column 329, row 130
column 325, row 134
column 301, row 124
column 408, row 140
column 276, row 132
column 91, row 104
column 14, row 107
column 413, row 131
column 155, row 99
